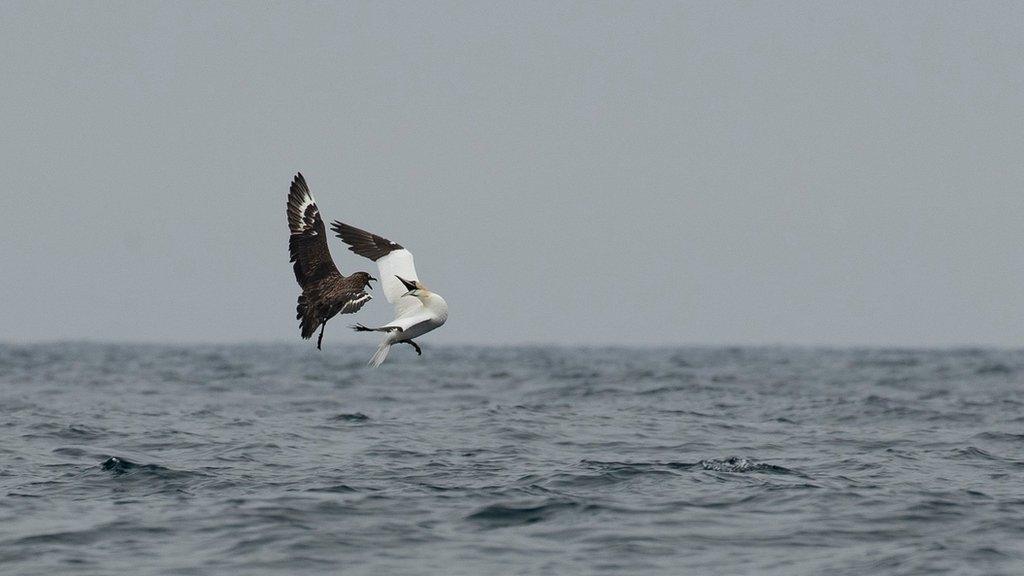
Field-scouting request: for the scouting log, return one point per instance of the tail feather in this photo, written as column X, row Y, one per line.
column 306, row 317
column 381, row 354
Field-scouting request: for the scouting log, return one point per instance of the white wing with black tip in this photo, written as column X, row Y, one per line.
column 393, row 261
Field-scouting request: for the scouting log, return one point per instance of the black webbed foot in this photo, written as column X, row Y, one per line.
column 361, row 328
column 419, row 352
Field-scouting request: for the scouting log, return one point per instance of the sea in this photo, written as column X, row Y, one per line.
column 278, row 459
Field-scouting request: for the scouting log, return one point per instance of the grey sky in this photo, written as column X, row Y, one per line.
column 645, row 172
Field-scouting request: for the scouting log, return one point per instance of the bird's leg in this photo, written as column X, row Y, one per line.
column 321, row 338
column 414, row 345
column 361, row 328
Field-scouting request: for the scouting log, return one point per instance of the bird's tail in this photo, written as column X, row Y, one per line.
column 382, row 352
column 306, row 316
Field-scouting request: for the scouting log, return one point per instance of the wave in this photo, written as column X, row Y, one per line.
column 354, row 417
column 524, row 513
column 122, row 467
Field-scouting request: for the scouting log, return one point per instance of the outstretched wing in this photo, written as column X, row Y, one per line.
column 392, row 261
column 308, row 241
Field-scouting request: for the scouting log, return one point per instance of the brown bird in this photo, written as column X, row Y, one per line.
column 325, row 291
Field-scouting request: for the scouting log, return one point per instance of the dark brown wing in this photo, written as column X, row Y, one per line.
column 308, row 241
column 362, row 242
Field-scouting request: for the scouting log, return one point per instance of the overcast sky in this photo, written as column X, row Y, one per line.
column 638, row 173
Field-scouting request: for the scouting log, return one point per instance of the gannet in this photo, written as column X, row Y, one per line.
column 417, row 309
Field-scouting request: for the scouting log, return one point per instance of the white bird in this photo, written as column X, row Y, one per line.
column 417, row 309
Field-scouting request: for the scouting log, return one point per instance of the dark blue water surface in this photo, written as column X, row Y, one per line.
column 282, row 460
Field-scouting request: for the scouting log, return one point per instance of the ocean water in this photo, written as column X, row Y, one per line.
column 283, row 460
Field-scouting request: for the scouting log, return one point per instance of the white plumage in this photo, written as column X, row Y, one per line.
column 417, row 309
column 391, row 266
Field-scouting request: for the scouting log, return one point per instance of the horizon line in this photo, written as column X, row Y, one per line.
column 539, row 344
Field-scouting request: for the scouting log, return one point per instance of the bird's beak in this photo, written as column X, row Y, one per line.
column 409, row 285
column 368, row 280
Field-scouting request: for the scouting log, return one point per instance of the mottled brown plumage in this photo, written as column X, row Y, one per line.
column 325, row 291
